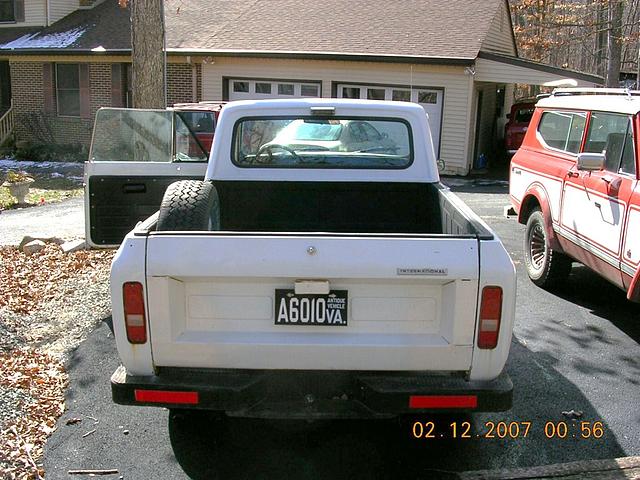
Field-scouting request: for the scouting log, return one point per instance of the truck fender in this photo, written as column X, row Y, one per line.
column 536, row 194
column 634, row 289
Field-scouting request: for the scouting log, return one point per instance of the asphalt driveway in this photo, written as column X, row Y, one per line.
column 573, row 349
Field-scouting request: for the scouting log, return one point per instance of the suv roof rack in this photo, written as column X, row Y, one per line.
column 592, row 91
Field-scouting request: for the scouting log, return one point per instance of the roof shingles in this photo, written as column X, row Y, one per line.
column 404, row 28
column 453, row 29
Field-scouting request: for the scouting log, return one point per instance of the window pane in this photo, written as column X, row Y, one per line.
column 554, row 128
column 262, row 87
column 401, row 95
column 628, row 164
column 193, row 136
column 132, row 136
column 309, row 90
column 285, row 89
column 427, row 97
column 350, row 92
column 68, row 75
column 606, row 135
column 6, row 11
column 375, row 93
column 69, row 103
column 318, row 142
column 575, row 133
column 241, row 87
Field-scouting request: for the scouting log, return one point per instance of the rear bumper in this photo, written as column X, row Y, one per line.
column 310, row 394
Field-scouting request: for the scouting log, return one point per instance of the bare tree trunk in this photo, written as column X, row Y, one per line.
column 614, row 42
column 148, row 57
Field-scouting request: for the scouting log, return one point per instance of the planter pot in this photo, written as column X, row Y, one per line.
column 19, row 190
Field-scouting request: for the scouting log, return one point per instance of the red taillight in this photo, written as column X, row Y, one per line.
column 166, row 396
column 133, row 298
column 443, row 401
column 490, row 314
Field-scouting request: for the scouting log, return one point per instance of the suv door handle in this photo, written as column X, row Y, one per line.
column 573, row 174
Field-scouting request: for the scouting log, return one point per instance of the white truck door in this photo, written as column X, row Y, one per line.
column 135, row 154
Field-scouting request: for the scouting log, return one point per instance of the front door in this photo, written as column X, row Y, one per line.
column 135, row 155
column 594, row 204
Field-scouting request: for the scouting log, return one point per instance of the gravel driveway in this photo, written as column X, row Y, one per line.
column 64, row 219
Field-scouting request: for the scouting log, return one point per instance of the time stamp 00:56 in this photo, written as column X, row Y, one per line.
column 507, row 430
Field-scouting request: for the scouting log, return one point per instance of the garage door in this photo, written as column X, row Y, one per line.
column 245, row 89
column 429, row 99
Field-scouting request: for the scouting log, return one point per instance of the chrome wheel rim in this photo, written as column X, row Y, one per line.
column 537, row 247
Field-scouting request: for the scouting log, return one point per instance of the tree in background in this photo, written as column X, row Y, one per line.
column 147, row 53
column 595, row 36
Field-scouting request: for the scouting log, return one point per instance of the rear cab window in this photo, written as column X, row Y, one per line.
column 562, row 130
column 320, row 142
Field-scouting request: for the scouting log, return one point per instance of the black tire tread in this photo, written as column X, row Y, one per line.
column 187, row 205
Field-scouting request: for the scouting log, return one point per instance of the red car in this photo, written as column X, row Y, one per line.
column 574, row 183
column 518, row 122
column 196, row 127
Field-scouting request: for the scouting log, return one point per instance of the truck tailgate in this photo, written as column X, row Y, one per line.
column 411, row 301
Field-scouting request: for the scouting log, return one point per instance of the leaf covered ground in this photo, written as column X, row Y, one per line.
column 49, row 302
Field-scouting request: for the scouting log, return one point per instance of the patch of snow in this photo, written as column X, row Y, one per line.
column 12, row 164
column 52, row 40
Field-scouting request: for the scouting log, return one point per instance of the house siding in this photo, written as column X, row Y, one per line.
column 492, row 71
column 35, row 14
column 499, row 37
column 61, row 8
column 454, row 134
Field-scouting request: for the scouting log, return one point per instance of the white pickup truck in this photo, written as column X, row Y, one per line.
column 319, row 270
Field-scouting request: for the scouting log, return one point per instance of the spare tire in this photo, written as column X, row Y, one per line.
column 189, row 205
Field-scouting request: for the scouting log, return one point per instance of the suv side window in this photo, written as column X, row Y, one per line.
column 611, row 134
column 563, row 130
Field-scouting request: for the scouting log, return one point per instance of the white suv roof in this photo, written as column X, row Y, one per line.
column 593, row 99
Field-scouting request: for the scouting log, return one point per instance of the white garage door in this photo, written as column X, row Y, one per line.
column 244, row 89
column 429, row 99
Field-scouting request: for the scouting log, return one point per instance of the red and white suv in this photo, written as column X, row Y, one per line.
column 574, row 183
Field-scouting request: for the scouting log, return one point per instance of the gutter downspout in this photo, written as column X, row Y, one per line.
column 48, row 12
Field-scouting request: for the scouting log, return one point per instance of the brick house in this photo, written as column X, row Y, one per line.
column 457, row 59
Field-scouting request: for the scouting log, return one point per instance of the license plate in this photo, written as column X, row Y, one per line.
column 322, row 310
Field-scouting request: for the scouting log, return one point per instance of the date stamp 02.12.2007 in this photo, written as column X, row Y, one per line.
column 429, row 429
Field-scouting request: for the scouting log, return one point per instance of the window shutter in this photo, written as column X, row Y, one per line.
column 85, row 94
column 19, row 10
column 116, row 85
column 48, row 82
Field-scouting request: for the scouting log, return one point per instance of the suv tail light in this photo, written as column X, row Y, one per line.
column 490, row 314
column 133, row 299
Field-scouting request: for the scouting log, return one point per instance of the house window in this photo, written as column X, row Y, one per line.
column 7, row 11
column 375, row 93
column 68, row 89
column 309, row 90
column 242, row 87
column 285, row 89
column 401, row 96
column 264, row 88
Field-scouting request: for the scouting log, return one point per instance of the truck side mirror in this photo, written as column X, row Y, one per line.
column 590, row 161
column 508, row 116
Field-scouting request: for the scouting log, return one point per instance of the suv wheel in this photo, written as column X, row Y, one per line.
column 545, row 265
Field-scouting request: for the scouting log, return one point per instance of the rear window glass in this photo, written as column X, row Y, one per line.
column 563, row 130
column 314, row 142
column 524, row 115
